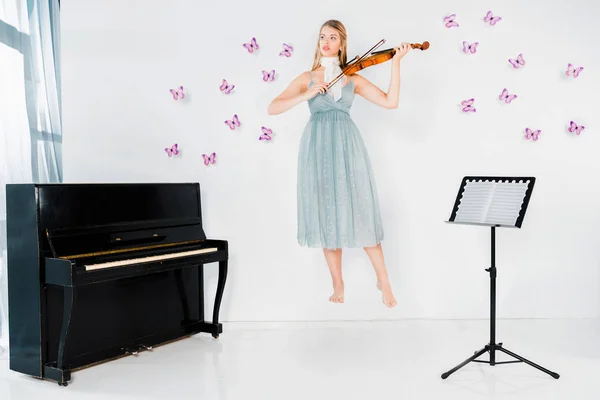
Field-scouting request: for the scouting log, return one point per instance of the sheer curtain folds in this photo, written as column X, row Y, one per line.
column 30, row 109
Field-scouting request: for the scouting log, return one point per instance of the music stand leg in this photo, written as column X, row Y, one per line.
column 468, row 360
column 526, row 361
column 493, row 346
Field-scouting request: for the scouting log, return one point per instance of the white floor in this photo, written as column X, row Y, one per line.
column 348, row 360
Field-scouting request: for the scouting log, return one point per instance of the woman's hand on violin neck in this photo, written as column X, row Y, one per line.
column 401, row 51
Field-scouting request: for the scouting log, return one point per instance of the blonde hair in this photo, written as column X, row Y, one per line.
column 343, row 56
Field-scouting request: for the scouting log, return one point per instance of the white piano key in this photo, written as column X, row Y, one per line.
column 159, row 257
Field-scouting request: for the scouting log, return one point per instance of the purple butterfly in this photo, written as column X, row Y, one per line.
column 287, row 50
column 571, row 70
column 470, row 47
column 468, row 105
column 529, row 134
column 266, row 134
column 449, row 20
column 226, row 87
column 507, row 97
column 177, row 94
column 489, row 17
column 268, row 76
column 172, row 151
column 251, row 46
column 518, row 61
column 209, row 159
column 573, row 127
column 233, row 122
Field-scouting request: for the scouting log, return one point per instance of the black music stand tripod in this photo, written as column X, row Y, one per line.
column 494, row 202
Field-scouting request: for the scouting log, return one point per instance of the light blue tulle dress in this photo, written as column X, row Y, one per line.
column 338, row 206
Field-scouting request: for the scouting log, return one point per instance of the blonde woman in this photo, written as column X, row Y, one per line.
column 338, row 205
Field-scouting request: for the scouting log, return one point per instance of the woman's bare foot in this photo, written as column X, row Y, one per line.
column 334, row 262
column 375, row 254
column 386, row 294
column 338, row 294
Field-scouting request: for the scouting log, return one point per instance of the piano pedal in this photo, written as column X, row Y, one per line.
column 129, row 351
column 143, row 346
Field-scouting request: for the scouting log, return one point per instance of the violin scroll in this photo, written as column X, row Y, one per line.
column 420, row 46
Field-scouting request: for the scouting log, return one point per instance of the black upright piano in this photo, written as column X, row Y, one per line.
column 100, row 271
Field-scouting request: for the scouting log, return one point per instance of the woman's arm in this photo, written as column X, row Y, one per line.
column 296, row 92
column 377, row 96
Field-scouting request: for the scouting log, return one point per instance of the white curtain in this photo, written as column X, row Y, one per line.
column 30, row 113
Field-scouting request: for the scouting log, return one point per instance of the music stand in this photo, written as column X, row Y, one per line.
column 494, row 202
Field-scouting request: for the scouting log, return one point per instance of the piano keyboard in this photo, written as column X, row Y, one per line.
column 160, row 257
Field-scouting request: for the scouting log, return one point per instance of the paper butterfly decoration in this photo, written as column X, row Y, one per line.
column 529, row 134
column 226, row 87
column 573, row 127
column 507, row 97
column 470, row 47
column 268, row 76
column 449, row 20
column 172, row 151
column 468, row 105
column 177, row 94
column 571, row 70
column 287, row 50
column 266, row 134
column 209, row 159
column 516, row 63
column 232, row 123
column 489, row 17
column 251, row 46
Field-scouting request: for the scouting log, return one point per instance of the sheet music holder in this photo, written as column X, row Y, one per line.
column 497, row 202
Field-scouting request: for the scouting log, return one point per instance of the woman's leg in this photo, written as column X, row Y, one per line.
column 375, row 254
column 334, row 262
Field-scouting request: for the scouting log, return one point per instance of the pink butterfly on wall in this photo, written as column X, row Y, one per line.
column 531, row 134
column 232, row 123
column 507, row 97
column 266, row 134
column 209, row 159
column 468, row 105
column 172, row 151
column 449, row 21
column 226, row 87
column 571, row 70
column 178, row 93
column 268, row 76
column 489, row 17
column 251, row 46
column 573, row 127
column 287, row 50
column 517, row 62
column 472, row 48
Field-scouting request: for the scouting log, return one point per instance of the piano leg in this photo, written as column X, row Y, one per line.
column 69, row 299
column 214, row 328
column 219, row 295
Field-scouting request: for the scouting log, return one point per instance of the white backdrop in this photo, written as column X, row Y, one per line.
column 120, row 58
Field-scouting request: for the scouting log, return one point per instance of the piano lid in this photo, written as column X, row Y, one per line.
column 71, row 205
column 81, row 220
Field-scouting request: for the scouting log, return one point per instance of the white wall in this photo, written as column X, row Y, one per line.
column 121, row 57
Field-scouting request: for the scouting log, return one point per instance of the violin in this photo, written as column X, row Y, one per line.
column 371, row 58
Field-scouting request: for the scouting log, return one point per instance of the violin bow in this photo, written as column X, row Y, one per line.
column 337, row 78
